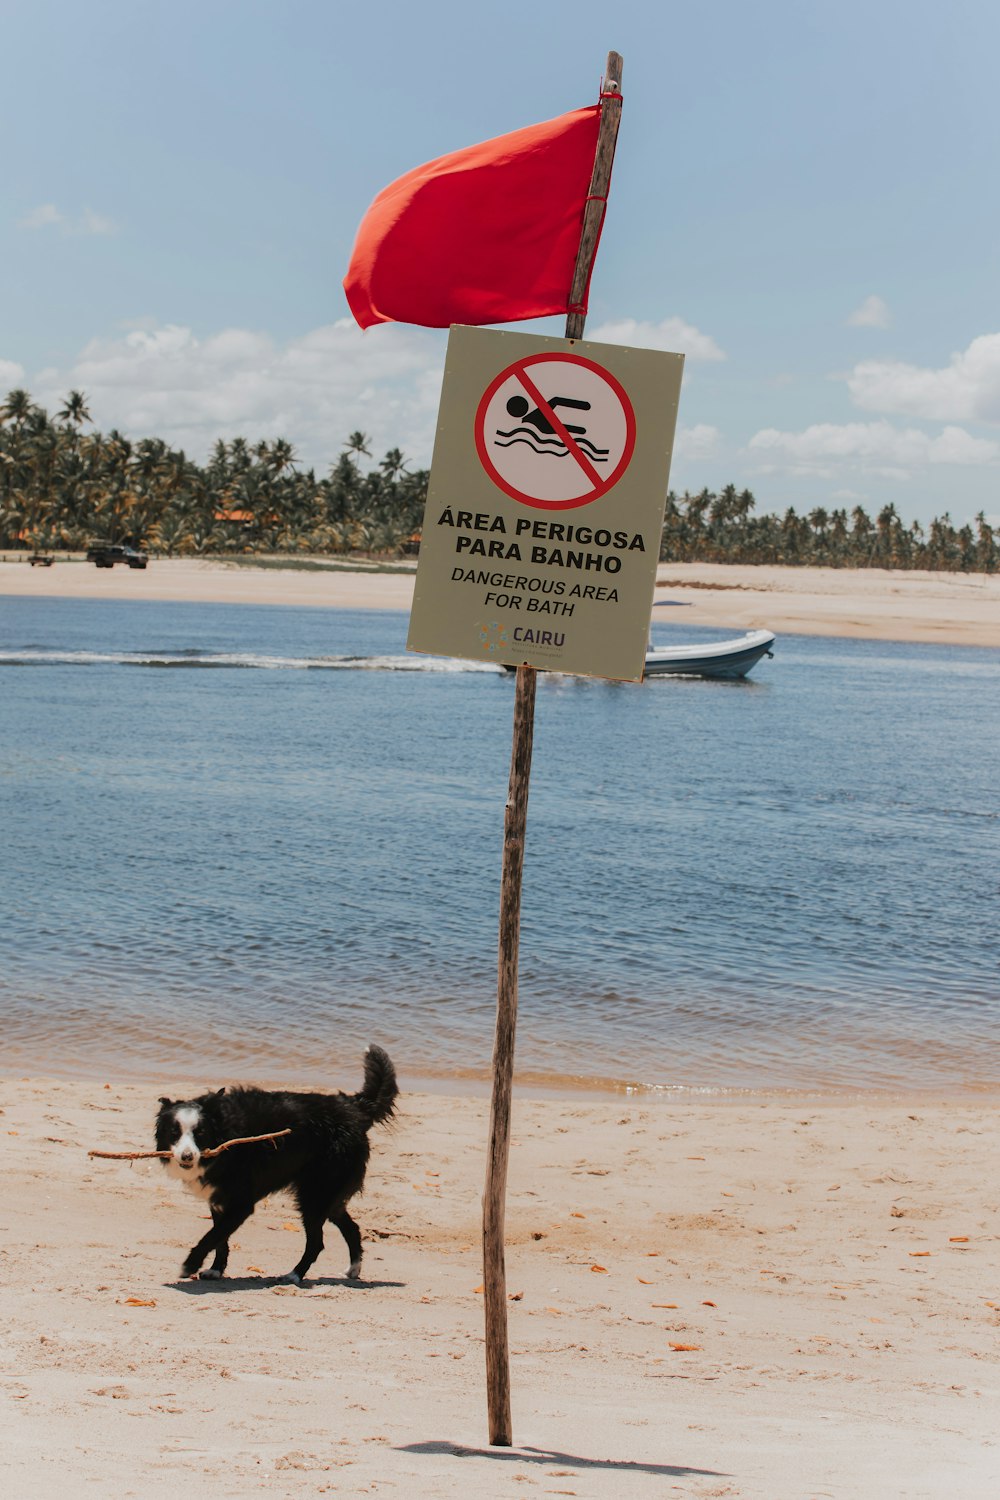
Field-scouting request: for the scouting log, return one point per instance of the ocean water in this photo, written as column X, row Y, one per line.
column 244, row 842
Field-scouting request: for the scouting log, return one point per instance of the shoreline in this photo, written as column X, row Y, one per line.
column 760, row 1300
column 864, row 603
column 477, row 1085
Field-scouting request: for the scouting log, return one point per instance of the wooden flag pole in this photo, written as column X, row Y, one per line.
column 515, row 820
column 498, row 1150
column 597, row 197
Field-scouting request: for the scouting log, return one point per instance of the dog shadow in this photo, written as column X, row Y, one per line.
column 229, row 1284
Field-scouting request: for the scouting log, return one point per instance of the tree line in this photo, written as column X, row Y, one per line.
column 63, row 487
column 710, row 527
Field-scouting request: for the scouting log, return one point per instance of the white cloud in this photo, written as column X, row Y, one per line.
column 11, row 376
column 967, row 389
column 875, row 447
column 697, row 442
column 40, row 217
column 91, row 223
column 672, row 334
column 164, row 381
column 956, row 446
column 48, row 216
column 873, row 313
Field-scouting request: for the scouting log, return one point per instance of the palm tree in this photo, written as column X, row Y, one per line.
column 861, row 531
column 17, row 408
column 240, row 458
column 393, row 464
column 839, row 538
column 281, row 456
column 75, row 410
column 986, row 549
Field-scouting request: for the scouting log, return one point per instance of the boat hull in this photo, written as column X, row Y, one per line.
column 722, row 659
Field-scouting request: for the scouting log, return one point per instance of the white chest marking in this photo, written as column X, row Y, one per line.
column 196, row 1184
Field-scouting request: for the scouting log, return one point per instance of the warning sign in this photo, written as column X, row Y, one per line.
column 555, row 431
column 544, row 509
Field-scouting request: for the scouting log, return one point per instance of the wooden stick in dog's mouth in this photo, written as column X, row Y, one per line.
column 240, row 1140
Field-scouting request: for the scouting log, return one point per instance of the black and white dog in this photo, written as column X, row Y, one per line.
column 322, row 1163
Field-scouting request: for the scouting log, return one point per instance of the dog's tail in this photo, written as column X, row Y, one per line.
column 377, row 1100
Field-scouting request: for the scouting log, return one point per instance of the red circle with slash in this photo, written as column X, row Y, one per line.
column 561, row 450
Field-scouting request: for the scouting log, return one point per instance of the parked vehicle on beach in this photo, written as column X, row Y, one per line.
column 106, row 554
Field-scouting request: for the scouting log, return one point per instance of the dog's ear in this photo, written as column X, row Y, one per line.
column 219, row 1092
column 165, row 1103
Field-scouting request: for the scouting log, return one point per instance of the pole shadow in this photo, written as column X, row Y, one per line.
column 569, row 1460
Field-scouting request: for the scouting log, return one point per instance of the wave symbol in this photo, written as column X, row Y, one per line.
column 553, row 446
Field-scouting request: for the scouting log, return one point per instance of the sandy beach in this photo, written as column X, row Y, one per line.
column 945, row 608
column 773, row 1298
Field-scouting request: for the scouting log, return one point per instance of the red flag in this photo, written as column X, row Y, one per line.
column 485, row 235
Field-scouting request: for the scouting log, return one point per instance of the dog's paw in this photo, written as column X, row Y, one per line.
column 292, row 1279
column 354, row 1271
column 211, row 1274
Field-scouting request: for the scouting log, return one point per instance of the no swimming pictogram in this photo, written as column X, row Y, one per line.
column 555, row 431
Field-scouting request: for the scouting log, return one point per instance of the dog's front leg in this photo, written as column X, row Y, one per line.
column 225, row 1222
column 217, row 1269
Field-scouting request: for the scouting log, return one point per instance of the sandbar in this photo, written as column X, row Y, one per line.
column 960, row 609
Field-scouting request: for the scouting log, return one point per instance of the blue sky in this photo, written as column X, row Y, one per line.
column 804, row 202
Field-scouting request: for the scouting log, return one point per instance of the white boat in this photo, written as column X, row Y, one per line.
column 711, row 659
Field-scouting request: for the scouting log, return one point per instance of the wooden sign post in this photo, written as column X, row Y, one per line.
column 515, row 819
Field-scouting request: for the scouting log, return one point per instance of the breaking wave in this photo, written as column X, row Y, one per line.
column 240, row 661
